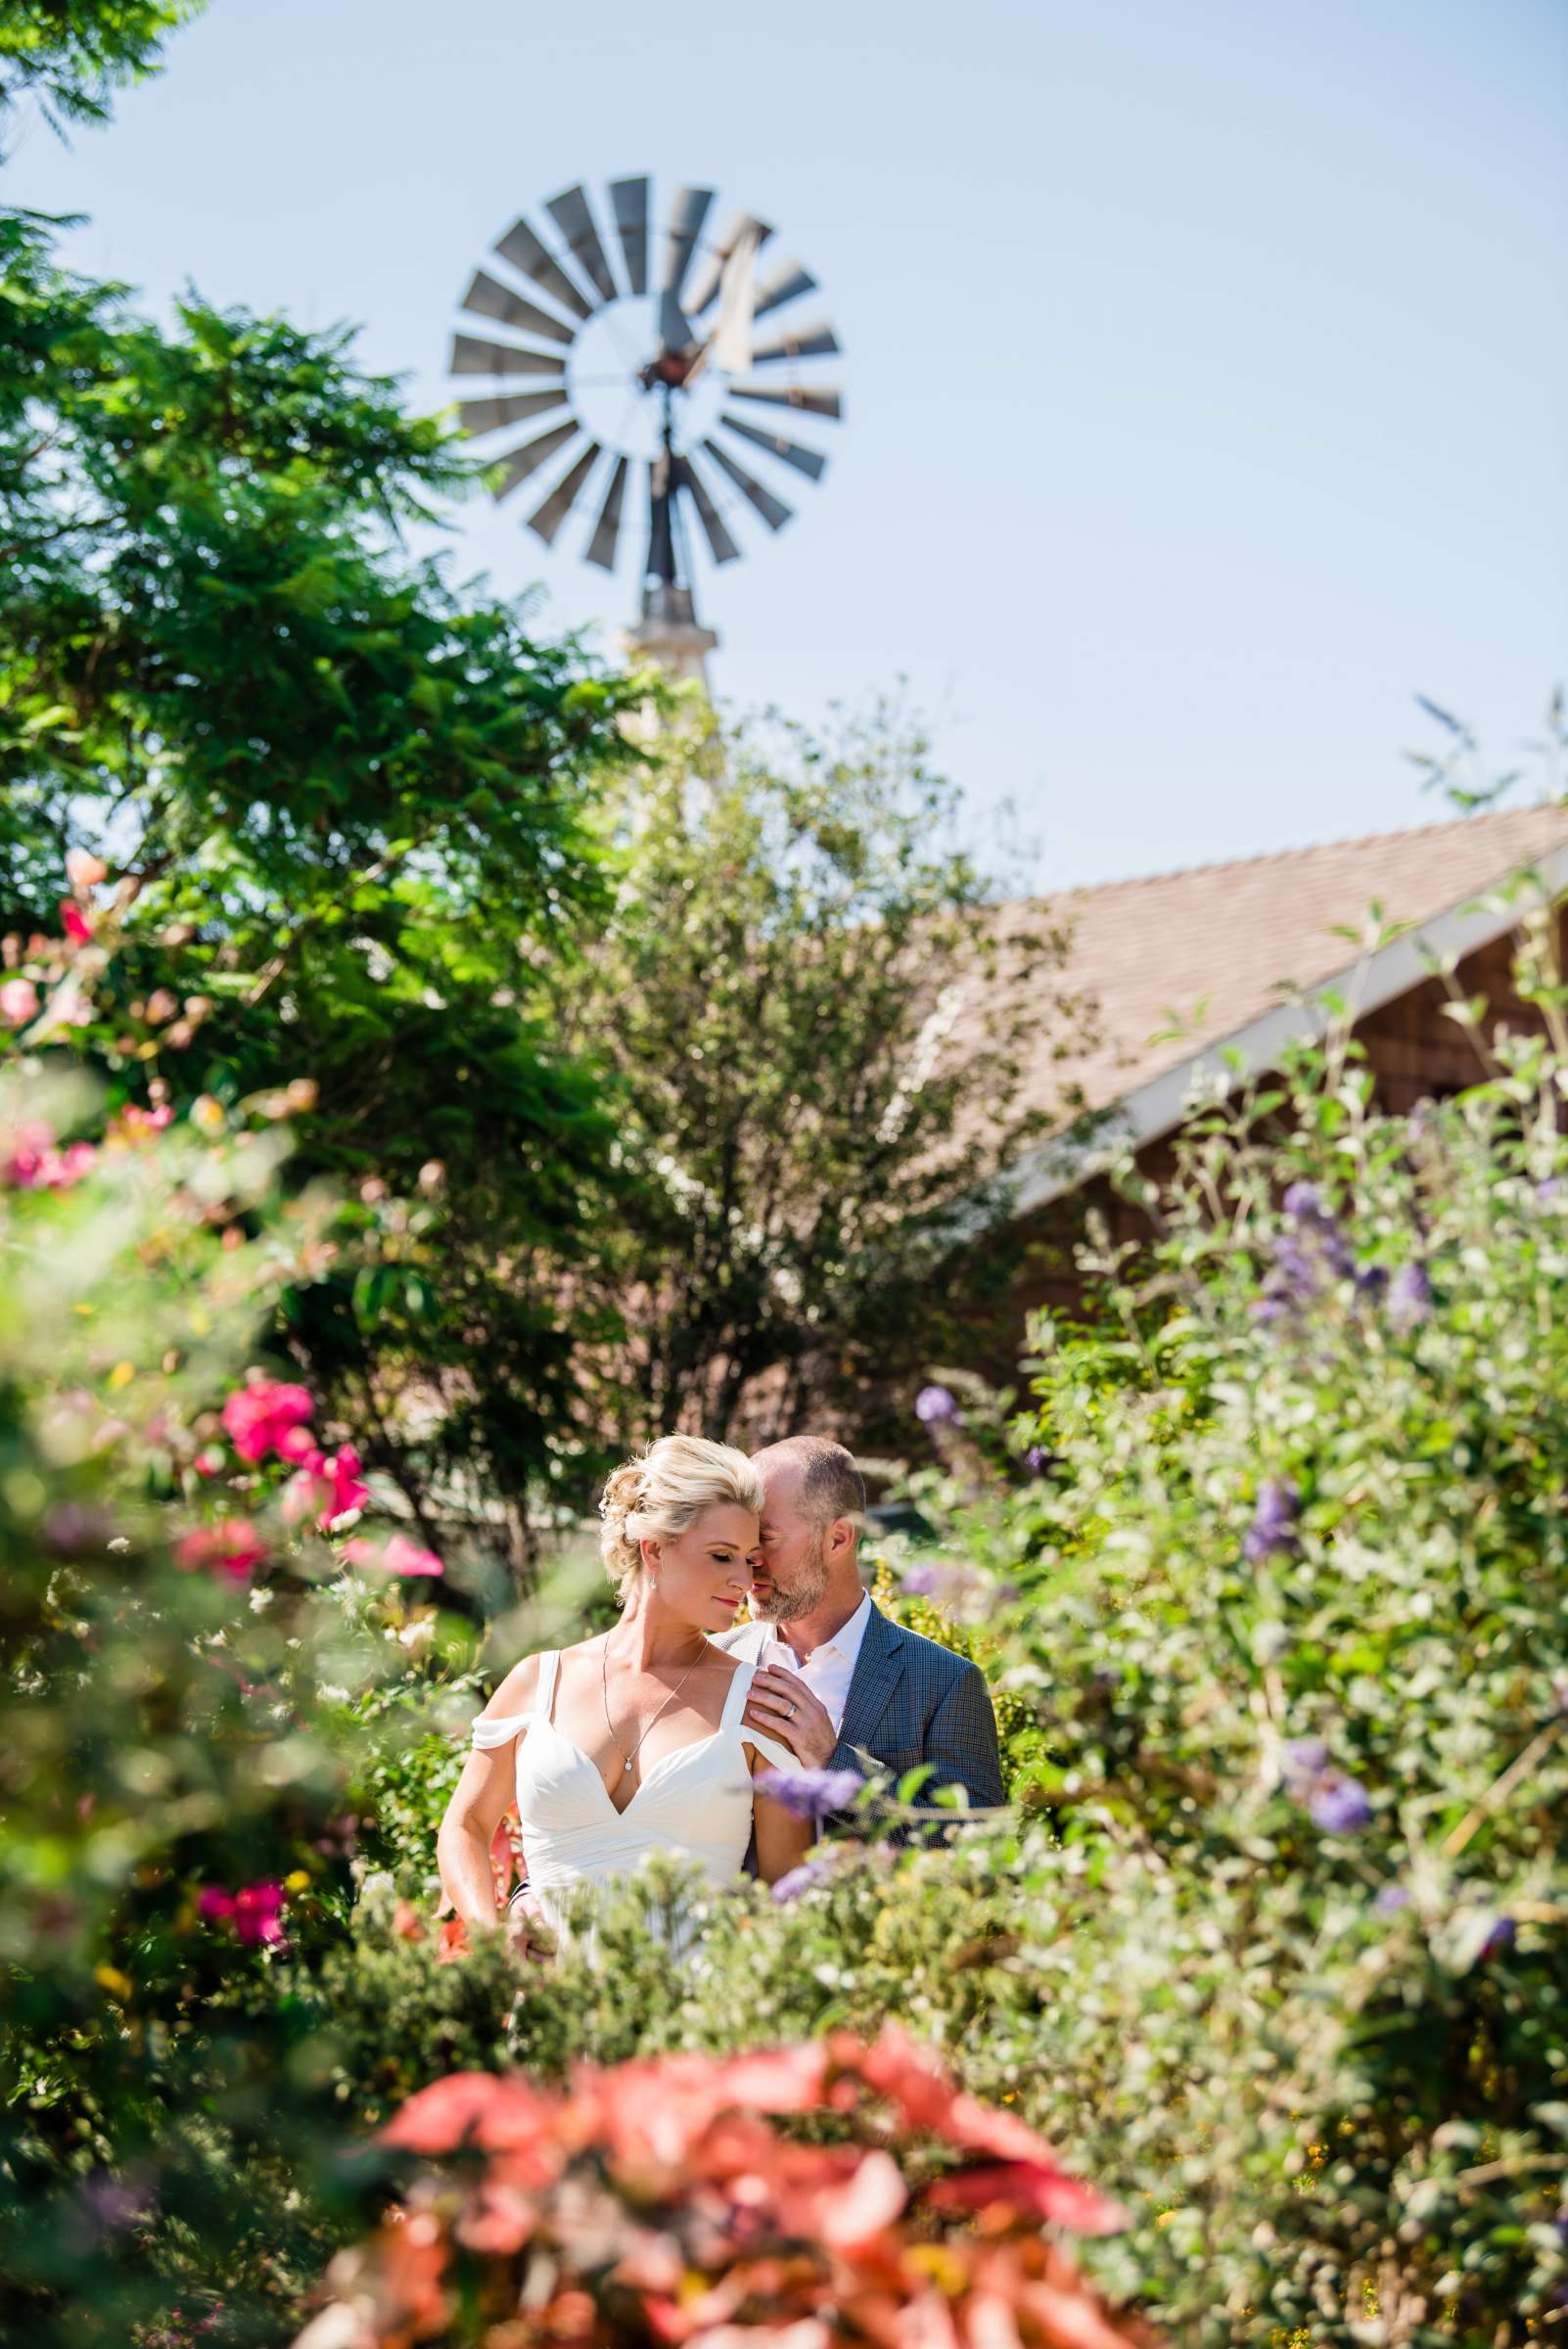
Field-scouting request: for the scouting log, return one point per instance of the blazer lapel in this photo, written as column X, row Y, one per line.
column 877, row 1671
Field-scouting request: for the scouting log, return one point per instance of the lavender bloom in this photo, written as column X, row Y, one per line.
column 1371, row 1280
column 811, row 1793
column 1410, row 1298
column 1340, row 1805
column 935, row 1406
column 1321, row 1230
column 814, row 1870
column 1304, row 1757
column 921, row 1582
column 1272, row 1532
column 1503, row 1936
column 1390, row 1899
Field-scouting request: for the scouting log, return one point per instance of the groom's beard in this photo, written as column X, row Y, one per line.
column 807, row 1588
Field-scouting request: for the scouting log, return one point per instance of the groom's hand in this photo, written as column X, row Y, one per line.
column 785, row 1708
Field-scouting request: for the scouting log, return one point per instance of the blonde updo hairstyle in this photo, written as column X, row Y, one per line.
column 657, row 1497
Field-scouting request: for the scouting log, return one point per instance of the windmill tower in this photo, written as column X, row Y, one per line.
column 656, row 393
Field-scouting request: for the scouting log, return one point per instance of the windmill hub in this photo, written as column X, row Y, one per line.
column 669, row 391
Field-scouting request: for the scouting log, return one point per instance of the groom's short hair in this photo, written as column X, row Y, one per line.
column 831, row 1485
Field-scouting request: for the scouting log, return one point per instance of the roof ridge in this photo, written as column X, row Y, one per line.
column 1359, row 840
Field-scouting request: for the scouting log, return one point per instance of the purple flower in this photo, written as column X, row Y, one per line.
column 814, row 1870
column 1390, row 1899
column 1304, row 1757
column 921, row 1582
column 1410, row 1298
column 1503, row 1936
column 1304, row 1203
column 1340, row 1805
column 1272, row 1532
column 935, row 1406
column 811, row 1793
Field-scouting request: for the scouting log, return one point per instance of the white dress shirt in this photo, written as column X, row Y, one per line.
column 827, row 1670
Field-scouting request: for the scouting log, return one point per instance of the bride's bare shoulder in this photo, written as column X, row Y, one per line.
column 517, row 1693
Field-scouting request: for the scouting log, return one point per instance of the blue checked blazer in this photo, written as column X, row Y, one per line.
column 911, row 1701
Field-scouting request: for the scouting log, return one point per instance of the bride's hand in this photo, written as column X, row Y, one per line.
column 784, row 1707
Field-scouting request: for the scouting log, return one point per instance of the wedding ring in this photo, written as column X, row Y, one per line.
column 791, row 1712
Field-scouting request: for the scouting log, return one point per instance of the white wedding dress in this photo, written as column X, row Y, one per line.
column 693, row 1803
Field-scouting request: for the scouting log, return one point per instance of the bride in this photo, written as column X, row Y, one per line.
column 632, row 1743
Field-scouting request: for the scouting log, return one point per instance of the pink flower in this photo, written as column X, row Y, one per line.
column 232, row 1548
column 296, row 1444
column 84, row 870
column 77, row 928
column 35, row 1164
column 19, row 1002
column 255, row 1913
column 260, row 1416
column 401, row 1556
column 209, row 1462
column 326, row 1488
column 133, row 1122
column 253, row 1910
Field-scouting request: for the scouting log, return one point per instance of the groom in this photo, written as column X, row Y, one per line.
column 838, row 1683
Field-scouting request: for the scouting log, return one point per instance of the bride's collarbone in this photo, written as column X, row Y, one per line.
column 648, row 1721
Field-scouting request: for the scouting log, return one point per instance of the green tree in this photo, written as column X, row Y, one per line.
column 818, row 1022
column 351, row 820
column 72, row 55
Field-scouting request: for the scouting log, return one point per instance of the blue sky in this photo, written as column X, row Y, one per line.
column 1206, row 362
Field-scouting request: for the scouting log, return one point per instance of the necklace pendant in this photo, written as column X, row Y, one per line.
column 627, row 1766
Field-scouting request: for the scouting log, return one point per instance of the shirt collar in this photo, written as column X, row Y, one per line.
column 845, row 1640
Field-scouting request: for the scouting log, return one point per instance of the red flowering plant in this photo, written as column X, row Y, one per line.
column 184, row 1632
column 657, row 2203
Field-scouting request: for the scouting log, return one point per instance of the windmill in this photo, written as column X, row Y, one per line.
column 656, row 385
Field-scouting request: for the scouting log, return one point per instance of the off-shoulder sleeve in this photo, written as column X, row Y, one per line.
column 499, row 1729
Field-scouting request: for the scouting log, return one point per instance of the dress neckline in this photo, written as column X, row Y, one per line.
column 545, row 1718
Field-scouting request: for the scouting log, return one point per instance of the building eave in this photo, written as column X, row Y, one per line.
column 1224, row 1064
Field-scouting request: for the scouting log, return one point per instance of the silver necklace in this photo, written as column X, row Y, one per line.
column 627, row 1760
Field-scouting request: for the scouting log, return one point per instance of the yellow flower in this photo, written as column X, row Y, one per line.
column 123, row 1374
column 296, row 1880
column 109, row 1978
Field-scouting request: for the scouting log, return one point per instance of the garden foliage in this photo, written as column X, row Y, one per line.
column 1273, row 1564
column 818, row 1065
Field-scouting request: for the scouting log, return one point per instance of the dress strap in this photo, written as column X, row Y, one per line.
column 549, row 1673
column 735, row 1697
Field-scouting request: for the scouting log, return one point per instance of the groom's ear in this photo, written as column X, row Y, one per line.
column 842, row 1533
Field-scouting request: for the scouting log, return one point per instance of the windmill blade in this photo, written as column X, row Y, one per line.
column 488, row 300
column 547, row 519
column 572, row 217
column 685, row 227
column 720, row 545
column 774, row 512
column 628, row 199
column 795, row 343
column 470, row 356
column 479, row 416
column 790, row 452
column 531, row 456
column 788, row 282
column 529, row 259
column 705, row 285
column 607, row 530
column 826, row 404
